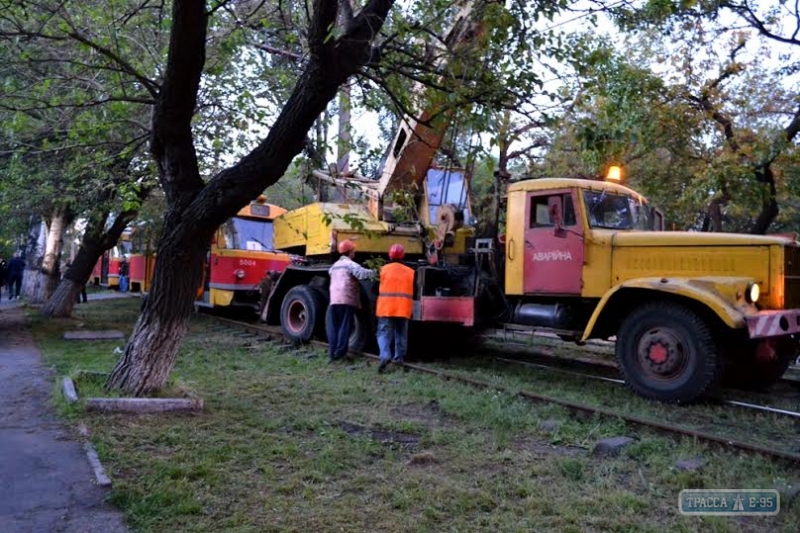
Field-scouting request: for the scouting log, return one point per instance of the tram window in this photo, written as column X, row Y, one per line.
column 248, row 234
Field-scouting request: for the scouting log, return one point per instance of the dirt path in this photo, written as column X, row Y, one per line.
column 47, row 484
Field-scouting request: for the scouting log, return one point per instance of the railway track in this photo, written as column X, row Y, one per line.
column 597, row 352
column 675, row 430
column 726, row 401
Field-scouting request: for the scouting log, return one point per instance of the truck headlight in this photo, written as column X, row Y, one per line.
column 752, row 293
column 240, row 274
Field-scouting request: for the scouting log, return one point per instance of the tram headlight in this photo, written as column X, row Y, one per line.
column 240, row 274
column 752, row 293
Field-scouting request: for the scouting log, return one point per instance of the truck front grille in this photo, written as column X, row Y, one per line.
column 791, row 283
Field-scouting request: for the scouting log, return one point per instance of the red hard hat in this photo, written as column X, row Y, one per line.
column 346, row 246
column 397, row 252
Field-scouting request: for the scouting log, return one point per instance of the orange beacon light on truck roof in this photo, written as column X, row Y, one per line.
column 614, row 173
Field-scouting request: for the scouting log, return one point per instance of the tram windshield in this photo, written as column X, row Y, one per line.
column 248, row 234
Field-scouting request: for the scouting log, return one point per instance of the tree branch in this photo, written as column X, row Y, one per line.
column 151, row 86
column 278, row 51
column 172, row 143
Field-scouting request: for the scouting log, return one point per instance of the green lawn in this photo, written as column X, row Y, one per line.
column 290, row 443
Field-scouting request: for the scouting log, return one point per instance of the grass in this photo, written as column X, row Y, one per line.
column 290, row 443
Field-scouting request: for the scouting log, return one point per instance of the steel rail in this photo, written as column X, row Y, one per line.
column 569, row 404
column 737, row 403
column 597, row 349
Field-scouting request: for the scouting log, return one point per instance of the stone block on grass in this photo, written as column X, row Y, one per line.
column 106, row 335
column 692, row 464
column 611, row 447
column 143, row 405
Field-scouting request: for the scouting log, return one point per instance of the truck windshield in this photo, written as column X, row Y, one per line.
column 615, row 211
column 248, row 234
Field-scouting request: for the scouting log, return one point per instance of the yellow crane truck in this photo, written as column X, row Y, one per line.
column 586, row 260
column 582, row 258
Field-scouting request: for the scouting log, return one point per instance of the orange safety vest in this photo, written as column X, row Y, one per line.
column 396, row 293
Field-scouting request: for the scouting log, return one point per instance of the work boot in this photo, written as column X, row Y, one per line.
column 382, row 366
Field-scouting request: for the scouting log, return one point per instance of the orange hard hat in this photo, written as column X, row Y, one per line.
column 397, row 252
column 346, row 246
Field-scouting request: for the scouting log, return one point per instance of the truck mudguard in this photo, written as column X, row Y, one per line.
column 724, row 296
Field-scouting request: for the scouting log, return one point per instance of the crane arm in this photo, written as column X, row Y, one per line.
column 418, row 139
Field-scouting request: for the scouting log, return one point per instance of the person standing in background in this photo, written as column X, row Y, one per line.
column 124, row 270
column 3, row 275
column 16, row 267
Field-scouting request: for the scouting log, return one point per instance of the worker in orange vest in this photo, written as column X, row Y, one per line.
column 395, row 301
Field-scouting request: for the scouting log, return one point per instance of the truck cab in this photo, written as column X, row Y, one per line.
column 689, row 311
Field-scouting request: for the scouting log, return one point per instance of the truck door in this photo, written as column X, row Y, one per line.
column 553, row 261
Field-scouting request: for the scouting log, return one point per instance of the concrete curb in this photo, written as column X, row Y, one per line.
column 129, row 405
column 94, row 460
column 143, row 405
column 68, row 388
column 82, row 335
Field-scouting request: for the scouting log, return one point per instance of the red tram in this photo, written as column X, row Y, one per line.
column 241, row 253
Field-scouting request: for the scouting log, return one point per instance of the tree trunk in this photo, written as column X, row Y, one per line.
column 96, row 240
column 34, row 252
column 769, row 207
column 49, row 272
column 712, row 221
column 157, row 336
column 63, row 299
column 343, row 142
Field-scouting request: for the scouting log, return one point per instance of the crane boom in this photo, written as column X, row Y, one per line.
column 417, row 140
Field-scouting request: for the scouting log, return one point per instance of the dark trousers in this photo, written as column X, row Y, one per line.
column 82, row 294
column 338, row 323
column 14, row 286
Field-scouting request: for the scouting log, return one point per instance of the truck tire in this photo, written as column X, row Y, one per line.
column 745, row 371
column 360, row 334
column 667, row 352
column 302, row 311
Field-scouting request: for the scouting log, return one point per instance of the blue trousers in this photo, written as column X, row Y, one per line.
column 392, row 330
column 123, row 283
column 338, row 323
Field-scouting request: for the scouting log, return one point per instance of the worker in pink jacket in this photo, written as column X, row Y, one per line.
column 345, row 298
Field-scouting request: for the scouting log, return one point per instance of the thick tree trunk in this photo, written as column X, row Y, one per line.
column 63, row 299
column 157, row 336
column 34, row 252
column 151, row 351
column 49, row 272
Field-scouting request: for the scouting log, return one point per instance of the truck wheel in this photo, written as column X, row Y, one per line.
column 755, row 367
column 666, row 352
column 359, row 335
column 301, row 312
